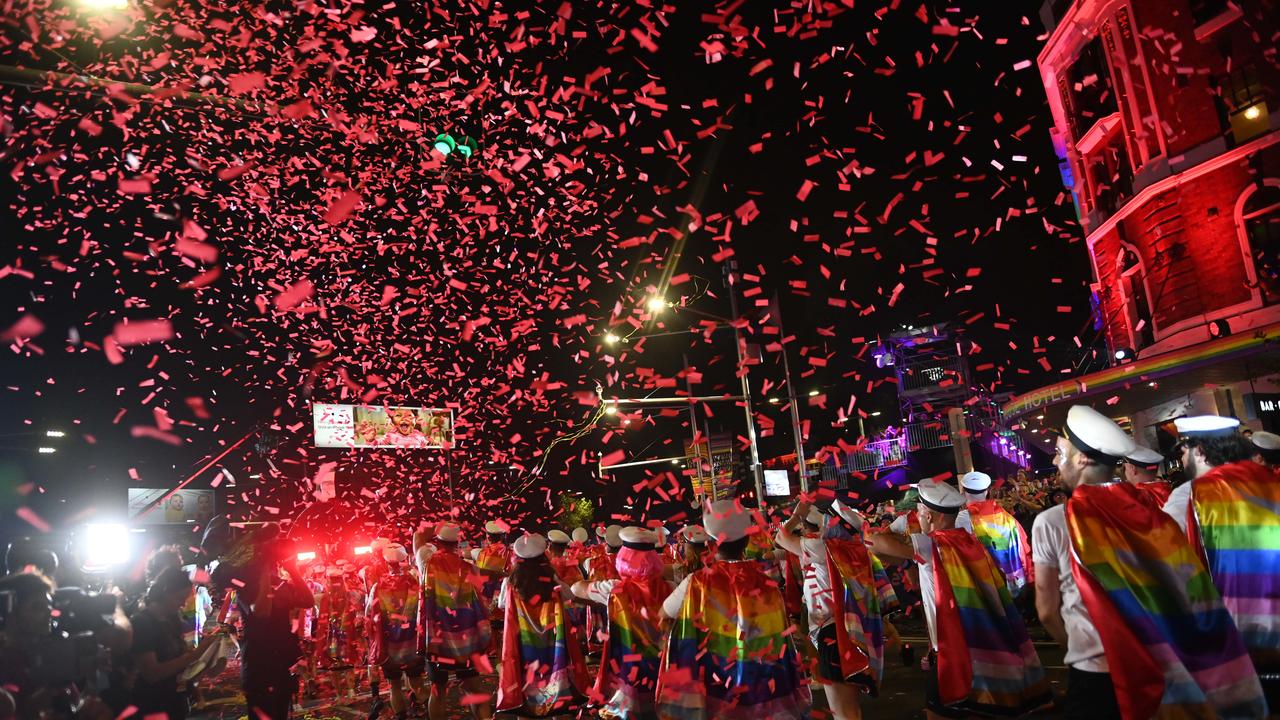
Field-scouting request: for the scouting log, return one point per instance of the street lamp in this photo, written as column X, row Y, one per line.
column 46, row 450
column 813, row 393
column 610, row 338
column 656, row 304
column 54, row 433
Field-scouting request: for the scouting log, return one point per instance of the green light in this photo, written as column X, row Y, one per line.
column 445, row 144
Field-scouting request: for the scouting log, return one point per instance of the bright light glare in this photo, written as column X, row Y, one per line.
column 773, row 400
column 610, row 338
column 656, row 304
column 1253, row 112
column 306, row 556
column 54, row 433
column 105, row 545
column 105, row 4
column 875, row 414
column 46, row 450
column 610, row 409
column 813, row 393
column 364, row 550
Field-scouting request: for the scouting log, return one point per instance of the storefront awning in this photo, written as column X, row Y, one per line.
column 1148, row 382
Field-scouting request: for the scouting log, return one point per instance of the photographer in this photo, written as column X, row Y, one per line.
column 26, row 600
column 160, row 652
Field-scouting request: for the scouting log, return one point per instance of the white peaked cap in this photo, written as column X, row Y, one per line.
column 580, row 534
column 848, row 514
column 493, row 527
column 1097, row 436
column 447, row 532
column 1206, row 425
column 1144, row 456
column 613, row 536
column 395, row 552
column 558, row 537
column 1264, row 440
column 815, row 517
column 530, row 546
column 975, row 481
column 695, row 534
column 632, row 536
column 940, row 497
column 727, row 520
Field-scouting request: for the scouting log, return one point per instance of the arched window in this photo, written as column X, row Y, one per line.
column 1259, row 219
column 1137, row 305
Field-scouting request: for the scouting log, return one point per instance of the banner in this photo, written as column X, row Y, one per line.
column 183, row 506
column 377, row 426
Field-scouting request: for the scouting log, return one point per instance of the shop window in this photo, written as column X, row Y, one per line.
column 1137, row 303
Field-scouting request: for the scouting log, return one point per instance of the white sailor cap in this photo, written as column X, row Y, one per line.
column 559, row 537
column 530, row 545
column 1268, row 445
column 395, row 553
column 638, row 538
column 424, row 553
column 1206, row 426
column 580, row 535
column 975, row 481
column 727, row 520
column 695, row 534
column 940, row 497
column 1096, row 435
column 613, row 536
column 1143, row 456
column 493, row 527
column 447, row 532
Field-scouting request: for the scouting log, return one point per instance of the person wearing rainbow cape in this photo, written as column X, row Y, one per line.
column 543, row 670
column 493, row 561
column 454, row 624
column 841, row 603
column 628, row 673
column 1146, row 633
column 998, row 531
column 1140, row 469
column 729, row 653
column 1231, row 512
column 982, row 661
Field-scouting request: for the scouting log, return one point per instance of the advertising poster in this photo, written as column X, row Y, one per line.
column 378, row 426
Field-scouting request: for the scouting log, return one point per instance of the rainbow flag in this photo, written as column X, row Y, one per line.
column 543, row 671
column 627, row 680
column 859, row 629
column 493, row 558
column 884, row 586
column 602, row 566
column 1236, row 508
column 1170, row 642
column 394, row 613
column 729, row 653
column 1005, row 539
column 455, row 617
column 986, row 662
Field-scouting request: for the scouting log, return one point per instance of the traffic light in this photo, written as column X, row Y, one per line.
column 462, row 146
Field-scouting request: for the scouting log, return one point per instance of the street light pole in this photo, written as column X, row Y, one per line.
column 730, row 272
column 796, row 427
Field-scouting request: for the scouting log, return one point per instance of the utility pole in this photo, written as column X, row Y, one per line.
column 796, row 427
column 731, row 271
column 693, row 429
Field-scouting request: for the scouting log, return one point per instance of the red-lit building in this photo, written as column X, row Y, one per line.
column 1167, row 125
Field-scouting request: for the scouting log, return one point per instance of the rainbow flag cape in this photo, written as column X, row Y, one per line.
column 986, row 662
column 859, row 629
column 455, row 617
column 884, row 586
column 1236, row 508
column 493, row 558
column 1005, row 539
column 1156, row 492
column 543, row 672
column 1171, row 645
column 603, row 566
column 628, row 676
column 729, row 652
column 393, row 611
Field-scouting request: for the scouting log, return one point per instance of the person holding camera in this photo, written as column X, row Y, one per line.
column 160, row 652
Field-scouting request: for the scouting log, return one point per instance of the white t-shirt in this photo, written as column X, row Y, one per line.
column 923, row 546
column 964, row 522
column 1177, row 504
column 1051, row 546
column 599, row 591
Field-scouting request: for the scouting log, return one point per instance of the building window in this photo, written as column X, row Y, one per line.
column 1091, row 84
column 1260, row 220
column 1137, row 305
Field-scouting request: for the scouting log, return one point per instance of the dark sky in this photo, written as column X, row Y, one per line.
column 874, row 167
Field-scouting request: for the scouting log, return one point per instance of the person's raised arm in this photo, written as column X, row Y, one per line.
column 787, row 538
column 890, row 546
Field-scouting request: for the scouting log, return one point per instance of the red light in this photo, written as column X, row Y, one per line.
column 306, row 556
column 364, row 550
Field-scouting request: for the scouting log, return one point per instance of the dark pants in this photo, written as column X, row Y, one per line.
column 1090, row 696
column 269, row 698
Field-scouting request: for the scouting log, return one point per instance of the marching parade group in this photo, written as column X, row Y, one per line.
column 1166, row 600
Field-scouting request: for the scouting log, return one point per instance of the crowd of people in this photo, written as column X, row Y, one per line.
column 1165, row 600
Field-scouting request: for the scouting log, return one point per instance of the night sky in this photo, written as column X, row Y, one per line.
column 875, row 167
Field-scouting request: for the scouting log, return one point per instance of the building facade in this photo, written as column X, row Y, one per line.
column 1167, row 127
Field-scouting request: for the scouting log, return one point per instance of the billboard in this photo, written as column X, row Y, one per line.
column 380, row 426
column 183, row 506
column 777, row 483
column 715, row 468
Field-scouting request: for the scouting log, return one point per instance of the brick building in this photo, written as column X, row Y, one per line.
column 1167, row 126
